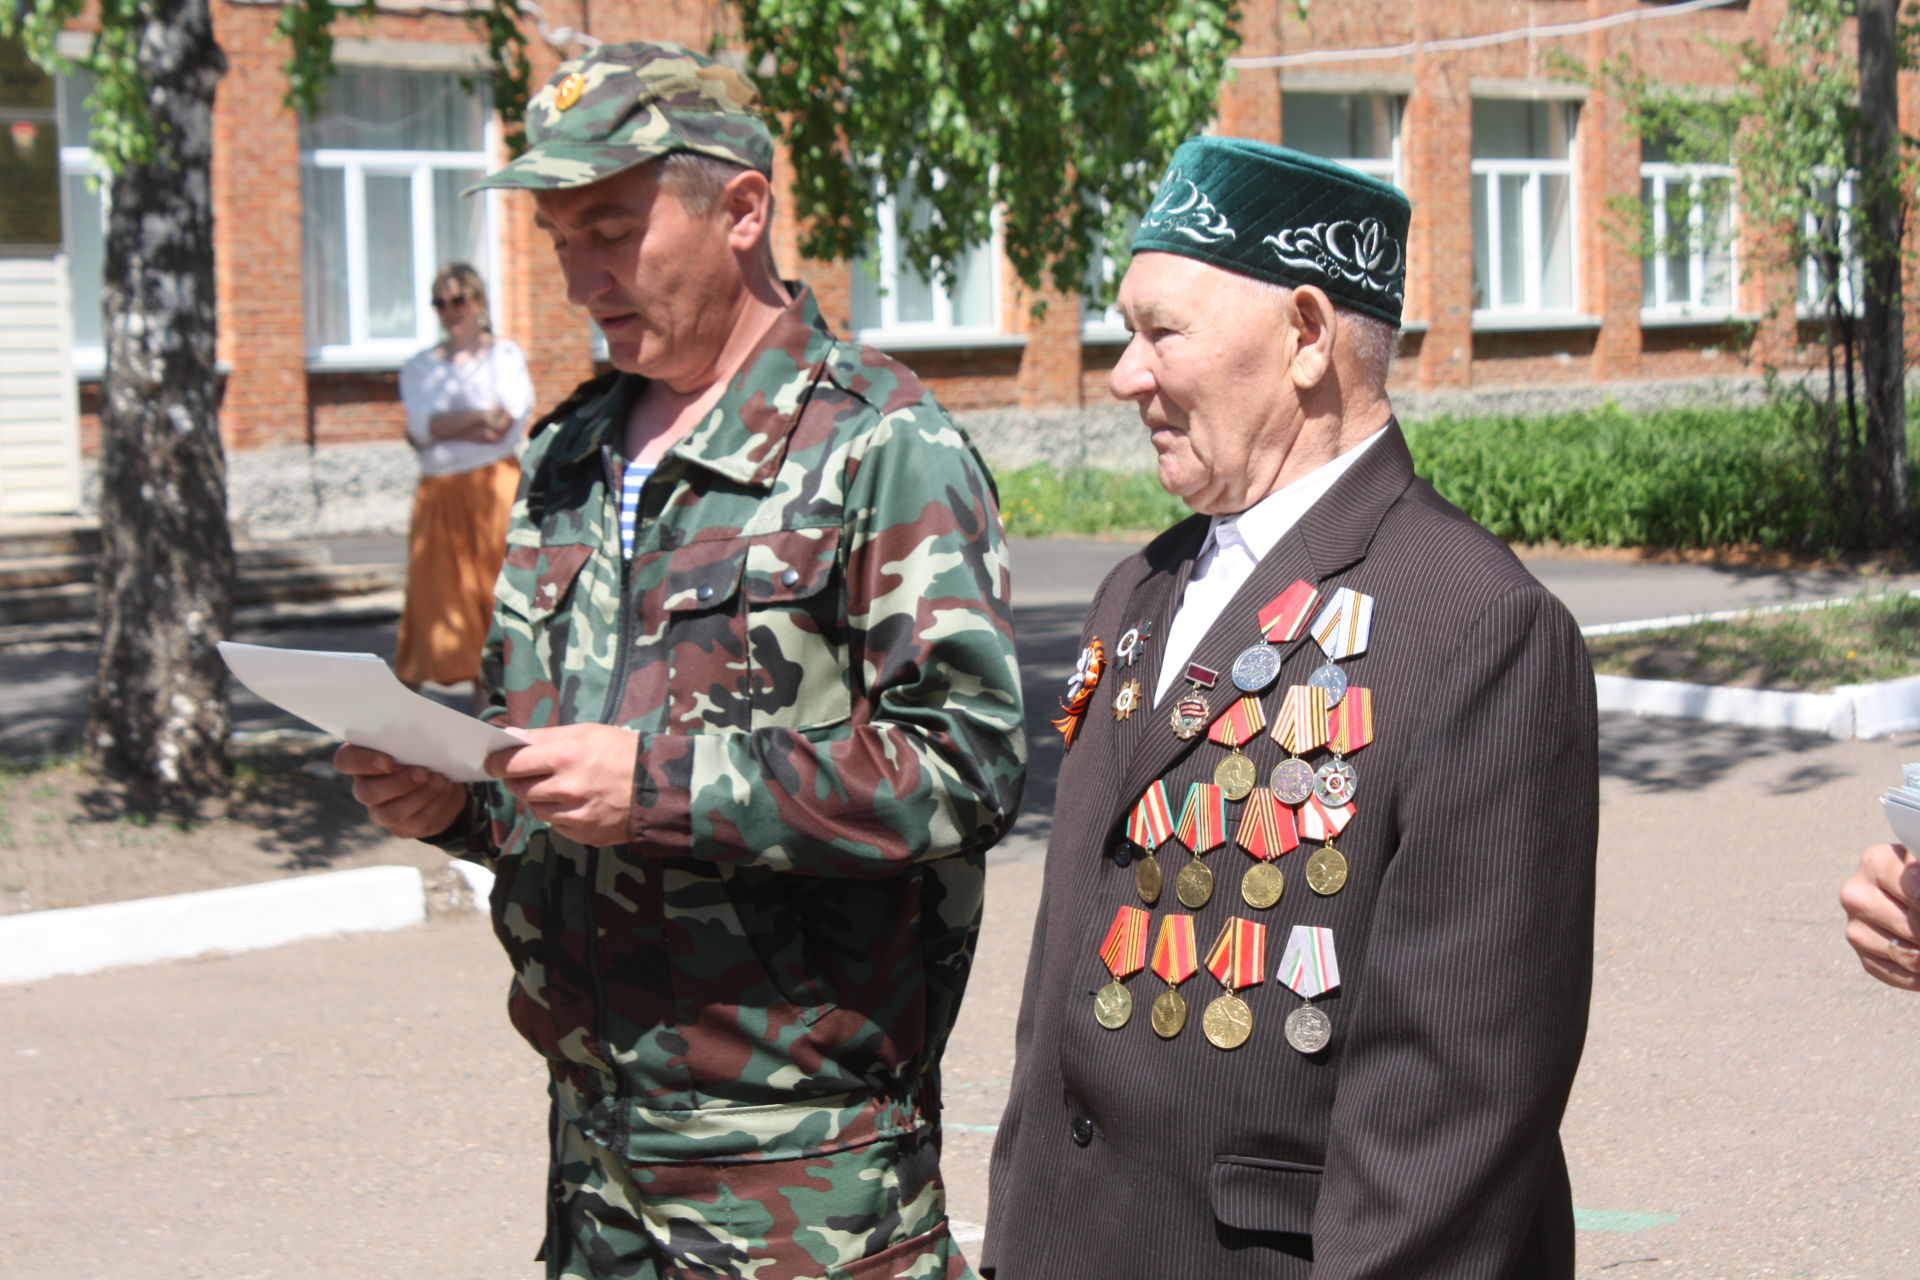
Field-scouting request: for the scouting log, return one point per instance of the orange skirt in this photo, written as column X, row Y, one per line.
column 454, row 548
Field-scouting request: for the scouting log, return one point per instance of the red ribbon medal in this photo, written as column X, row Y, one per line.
column 1124, row 951
column 1285, row 614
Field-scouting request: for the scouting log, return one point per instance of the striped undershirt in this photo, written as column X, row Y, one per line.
column 630, row 504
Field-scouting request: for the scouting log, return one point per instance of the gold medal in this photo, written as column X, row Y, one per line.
column 1236, row 776
column 1112, row 1006
column 1148, row 879
column 1194, row 885
column 1327, row 871
column 1227, row 1022
column 1169, row 1014
column 1127, row 700
column 1262, row 886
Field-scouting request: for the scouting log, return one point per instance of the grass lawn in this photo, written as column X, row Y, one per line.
column 1871, row 639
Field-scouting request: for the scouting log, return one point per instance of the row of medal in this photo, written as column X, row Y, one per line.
column 1237, row 960
column 1300, row 801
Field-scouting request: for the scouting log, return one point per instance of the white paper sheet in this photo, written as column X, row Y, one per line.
column 1903, row 814
column 356, row 697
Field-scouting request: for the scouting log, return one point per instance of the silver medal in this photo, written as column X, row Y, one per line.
column 1334, row 783
column 1256, row 667
column 1330, row 677
column 1308, row 1029
column 1292, row 780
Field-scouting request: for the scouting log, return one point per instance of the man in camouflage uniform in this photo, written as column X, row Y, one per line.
column 739, row 864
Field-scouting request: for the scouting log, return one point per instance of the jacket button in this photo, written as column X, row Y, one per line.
column 1082, row 1131
column 704, row 593
column 790, row 577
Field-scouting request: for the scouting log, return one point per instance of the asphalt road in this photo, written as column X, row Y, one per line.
column 358, row 1106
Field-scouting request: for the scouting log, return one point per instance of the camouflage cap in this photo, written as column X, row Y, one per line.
column 625, row 104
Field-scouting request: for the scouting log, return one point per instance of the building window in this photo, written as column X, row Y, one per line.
column 1687, row 267
column 1523, row 239
column 381, row 171
column 1359, row 130
column 1099, row 322
column 893, row 300
column 83, row 221
column 1833, row 266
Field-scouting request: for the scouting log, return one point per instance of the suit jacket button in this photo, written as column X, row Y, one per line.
column 1082, row 1131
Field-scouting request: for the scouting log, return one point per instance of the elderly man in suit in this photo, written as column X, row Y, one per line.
column 1310, row 974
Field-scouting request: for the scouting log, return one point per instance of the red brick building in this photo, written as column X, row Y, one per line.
column 328, row 230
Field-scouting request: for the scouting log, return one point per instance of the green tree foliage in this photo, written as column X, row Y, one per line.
column 1059, row 113
column 1795, row 131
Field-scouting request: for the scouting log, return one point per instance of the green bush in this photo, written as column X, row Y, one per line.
column 1038, row 501
column 1676, row 478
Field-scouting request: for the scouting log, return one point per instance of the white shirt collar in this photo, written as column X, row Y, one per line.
column 1264, row 523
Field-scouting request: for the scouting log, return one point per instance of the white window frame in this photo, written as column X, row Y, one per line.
column 1533, row 254
column 1806, row 302
column 1388, row 168
column 78, row 160
column 355, row 166
column 1664, row 176
column 886, row 255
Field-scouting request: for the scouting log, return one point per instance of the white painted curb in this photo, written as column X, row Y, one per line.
column 1849, row 711
column 45, row 944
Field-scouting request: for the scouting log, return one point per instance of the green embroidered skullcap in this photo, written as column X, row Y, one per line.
column 625, row 104
column 1286, row 218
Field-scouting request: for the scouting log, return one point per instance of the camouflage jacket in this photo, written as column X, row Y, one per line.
column 813, row 643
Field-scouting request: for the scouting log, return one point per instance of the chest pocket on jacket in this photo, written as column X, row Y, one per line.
column 756, row 632
column 536, row 583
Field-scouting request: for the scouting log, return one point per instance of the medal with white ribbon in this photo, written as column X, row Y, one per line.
column 1266, row 832
column 1124, row 952
column 1341, row 630
column 1299, row 727
column 1173, row 963
column 1238, row 958
column 1202, row 828
column 1236, row 775
column 1149, row 826
column 1309, row 967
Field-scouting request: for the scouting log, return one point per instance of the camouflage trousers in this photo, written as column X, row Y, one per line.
column 873, row 1211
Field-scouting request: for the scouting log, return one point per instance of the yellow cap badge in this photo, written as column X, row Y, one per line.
column 569, row 91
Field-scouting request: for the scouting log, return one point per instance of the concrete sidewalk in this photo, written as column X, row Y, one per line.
column 358, row 1106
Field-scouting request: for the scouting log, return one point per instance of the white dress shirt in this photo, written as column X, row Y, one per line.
column 430, row 384
column 1234, row 546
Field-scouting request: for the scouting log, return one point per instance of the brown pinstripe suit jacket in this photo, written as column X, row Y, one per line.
column 1423, row 1141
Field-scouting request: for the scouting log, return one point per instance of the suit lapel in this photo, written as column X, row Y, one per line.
column 1331, row 538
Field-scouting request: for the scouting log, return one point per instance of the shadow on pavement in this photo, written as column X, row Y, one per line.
column 1657, row 755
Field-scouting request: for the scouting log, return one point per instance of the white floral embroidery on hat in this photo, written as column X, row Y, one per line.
column 1362, row 252
column 1183, row 207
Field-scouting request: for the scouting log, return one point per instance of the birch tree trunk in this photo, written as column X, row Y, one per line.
column 159, row 719
column 1883, row 217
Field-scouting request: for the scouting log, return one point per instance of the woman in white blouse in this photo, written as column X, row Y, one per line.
column 467, row 401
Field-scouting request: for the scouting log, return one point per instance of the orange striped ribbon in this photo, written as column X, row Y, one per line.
column 1238, row 957
column 1242, row 720
column 1203, row 818
column 1125, row 950
column 1266, row 826
column 1319, row 822
column 1350, row 725
column 1173, row 958
column 1151, row 823
column 1302, row 723
column 1286, row 613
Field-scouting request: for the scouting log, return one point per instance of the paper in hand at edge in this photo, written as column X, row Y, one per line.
column 356, row 697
